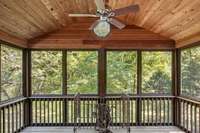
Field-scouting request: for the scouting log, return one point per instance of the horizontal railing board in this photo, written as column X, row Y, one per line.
column 8, row 103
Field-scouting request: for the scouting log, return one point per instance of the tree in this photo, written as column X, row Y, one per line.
column 159, row 82
column 190, row 71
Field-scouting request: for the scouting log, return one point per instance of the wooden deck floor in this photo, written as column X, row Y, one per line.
column 158, row 129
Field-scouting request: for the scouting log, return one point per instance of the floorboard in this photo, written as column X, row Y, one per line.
column 143, row 129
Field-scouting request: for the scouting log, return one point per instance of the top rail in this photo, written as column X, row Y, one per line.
column 13, row 101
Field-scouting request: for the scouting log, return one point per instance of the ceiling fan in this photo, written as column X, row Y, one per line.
column 101, row 27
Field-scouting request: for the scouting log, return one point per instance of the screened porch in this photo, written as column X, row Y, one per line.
column 57, row 76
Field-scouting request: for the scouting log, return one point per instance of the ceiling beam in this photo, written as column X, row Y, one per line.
column 129, row 38
column 12, row 39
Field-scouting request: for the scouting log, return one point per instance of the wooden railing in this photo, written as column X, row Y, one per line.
column 189, row 115
column 60, row 111
column 151, row 110
column 157, row 111
column 12, row 116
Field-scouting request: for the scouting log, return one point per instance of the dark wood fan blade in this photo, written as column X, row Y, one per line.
column 117, row 23
column 125, row 10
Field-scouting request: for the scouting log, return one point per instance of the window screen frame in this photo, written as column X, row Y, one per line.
column 106, row 69
column 66, row 70
column 180, row 71
column 30, row 67
column 172, row 73
column 14, row 47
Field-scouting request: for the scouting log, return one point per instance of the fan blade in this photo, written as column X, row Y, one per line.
column 117, row 23
column 100, row 4
column 82, row 15
column 125, row 10
column 94, row 24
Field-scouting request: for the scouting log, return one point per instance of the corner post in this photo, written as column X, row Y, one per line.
column 176, row 86
column 27, row 87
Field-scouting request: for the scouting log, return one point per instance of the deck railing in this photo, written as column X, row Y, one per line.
column 59, row 111
column 54, row 110
column 12, row 116
column 189, row 114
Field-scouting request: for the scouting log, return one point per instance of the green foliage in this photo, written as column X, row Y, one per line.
column 156, row 72
column 11, row 72
column 190, row 71
column 46, row 72
column 160, row 81
column 82, row 72
column 121, row 72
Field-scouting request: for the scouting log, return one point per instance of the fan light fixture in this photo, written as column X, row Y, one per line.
column 102, row 29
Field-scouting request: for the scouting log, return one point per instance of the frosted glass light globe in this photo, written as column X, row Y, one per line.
column 102, row 29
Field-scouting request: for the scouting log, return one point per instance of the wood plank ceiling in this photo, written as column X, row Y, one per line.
column 175, row 19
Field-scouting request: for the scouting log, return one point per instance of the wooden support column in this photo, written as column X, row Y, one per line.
column 139, row 88
column 64, row 72
column 102, row 72
column 0, row 75
column 64, row 86
column 27, row 87
column 176, row 86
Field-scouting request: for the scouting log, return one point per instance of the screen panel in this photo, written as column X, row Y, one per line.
column 46, row 72
column 82, row 72
column 121, row 72
column 11, row 72
column 157, row 72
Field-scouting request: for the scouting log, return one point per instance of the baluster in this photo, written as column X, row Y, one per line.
column 44, row 115
column 40, row 109
column 191, row 117
column 4, row 120
column 56, row 111
column 148, row 113
column 16, row 116
column 12, row 108
column 160, row 104
column 60, row 111
column 187, row 114
column 168, row 111
column 156, row 101
column 195, row 118
column 8, row 113
column 184, row 112
column 20, row 113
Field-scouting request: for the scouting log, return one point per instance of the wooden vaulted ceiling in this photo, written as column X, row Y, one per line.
column 28, row 19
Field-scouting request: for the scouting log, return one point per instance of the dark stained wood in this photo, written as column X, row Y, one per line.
column 139, row 88
column 102, row 72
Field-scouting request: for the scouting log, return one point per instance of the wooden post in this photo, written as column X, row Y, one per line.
column 102, row 72
column 64, row 86
column 139, row 87
column 27, row 86
column 176, row 86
